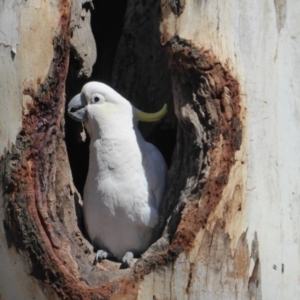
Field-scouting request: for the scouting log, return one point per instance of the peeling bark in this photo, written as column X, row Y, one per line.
column 83, row 45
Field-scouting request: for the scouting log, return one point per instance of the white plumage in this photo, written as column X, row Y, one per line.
column 126, row 177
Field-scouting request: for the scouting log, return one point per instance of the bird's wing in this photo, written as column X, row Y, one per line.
column 155, row 171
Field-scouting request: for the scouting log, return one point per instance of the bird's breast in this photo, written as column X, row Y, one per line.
column 116, row 169
column 114, row 156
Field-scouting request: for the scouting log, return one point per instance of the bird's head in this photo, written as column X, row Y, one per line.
column 100, row 103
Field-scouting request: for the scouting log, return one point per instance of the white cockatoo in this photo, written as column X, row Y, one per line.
column 126, row 176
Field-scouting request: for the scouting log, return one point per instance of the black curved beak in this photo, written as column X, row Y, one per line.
column 77, row 109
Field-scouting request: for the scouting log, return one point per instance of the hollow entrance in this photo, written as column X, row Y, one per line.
column 131, row 60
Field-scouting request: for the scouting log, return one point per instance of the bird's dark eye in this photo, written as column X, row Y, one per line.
column 96, row 99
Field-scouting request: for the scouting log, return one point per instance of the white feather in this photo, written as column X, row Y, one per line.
column 126, row 177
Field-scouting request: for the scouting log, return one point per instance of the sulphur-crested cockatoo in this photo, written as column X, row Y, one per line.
column 126, row 176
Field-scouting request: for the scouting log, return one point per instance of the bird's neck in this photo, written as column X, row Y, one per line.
column 114, row 128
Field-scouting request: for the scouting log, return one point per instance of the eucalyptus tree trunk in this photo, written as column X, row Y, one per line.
column 229, row 73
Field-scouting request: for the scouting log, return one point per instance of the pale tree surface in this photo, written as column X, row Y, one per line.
column 26, row 46
column 229, row 72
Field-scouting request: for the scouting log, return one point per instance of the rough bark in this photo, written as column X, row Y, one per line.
column 206, row 244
